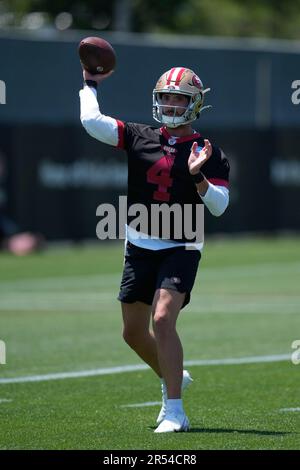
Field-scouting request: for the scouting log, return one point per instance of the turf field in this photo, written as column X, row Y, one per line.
column 59, row 314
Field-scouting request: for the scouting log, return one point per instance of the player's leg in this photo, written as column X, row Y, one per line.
column 136, row 296
column 166, row 307
column 167, row 304
column 136, row 333
column 175, row 281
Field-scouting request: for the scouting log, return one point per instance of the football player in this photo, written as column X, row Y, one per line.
column 169, row 164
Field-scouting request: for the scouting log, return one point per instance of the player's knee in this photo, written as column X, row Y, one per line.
column 131, row 337
column 128, row 336
column 162, row 322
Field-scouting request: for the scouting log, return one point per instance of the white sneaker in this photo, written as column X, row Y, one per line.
column 186, row 381
column 174, row 422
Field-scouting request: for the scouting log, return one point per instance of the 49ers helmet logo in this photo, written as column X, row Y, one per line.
column 197, row 82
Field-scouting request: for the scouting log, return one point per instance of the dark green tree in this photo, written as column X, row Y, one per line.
column 241, row 18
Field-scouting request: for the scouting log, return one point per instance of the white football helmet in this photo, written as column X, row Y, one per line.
column 183, row 81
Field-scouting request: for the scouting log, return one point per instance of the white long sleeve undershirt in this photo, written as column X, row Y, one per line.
column 105, row 129
column 216, row 199
column 99, row 126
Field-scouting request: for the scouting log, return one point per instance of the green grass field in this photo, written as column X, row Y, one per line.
column 59, row 313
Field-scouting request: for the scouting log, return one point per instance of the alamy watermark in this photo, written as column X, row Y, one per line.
column 2, row 352
column 296, row 94
column 160, row 221
column 296, row 354
column 2, row 92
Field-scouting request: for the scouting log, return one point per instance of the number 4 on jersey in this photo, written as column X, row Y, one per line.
column 159, row 173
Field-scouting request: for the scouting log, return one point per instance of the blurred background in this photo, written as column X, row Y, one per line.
column 53, row 175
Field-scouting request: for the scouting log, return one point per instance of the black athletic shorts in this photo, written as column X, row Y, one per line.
column 147, row 270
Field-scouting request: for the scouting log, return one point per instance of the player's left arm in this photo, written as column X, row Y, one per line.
column 213, row 189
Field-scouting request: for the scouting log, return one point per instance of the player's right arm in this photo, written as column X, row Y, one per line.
column 104, row 128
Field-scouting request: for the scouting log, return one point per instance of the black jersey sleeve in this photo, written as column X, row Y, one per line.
column 216, row 169
column 127, row 132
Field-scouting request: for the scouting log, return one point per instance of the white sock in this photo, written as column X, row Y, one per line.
column 175, row 405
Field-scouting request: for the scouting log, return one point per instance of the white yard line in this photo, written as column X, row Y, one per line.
column 5, row 400
column 133, row 368
column 240, row 360
column 290, row 409
column 142, row 405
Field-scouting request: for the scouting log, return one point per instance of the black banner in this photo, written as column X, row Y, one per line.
column 56, row 177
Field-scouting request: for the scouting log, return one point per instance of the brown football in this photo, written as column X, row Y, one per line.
column 96, row 55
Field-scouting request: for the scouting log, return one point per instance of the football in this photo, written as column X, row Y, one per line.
column 96, row 55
